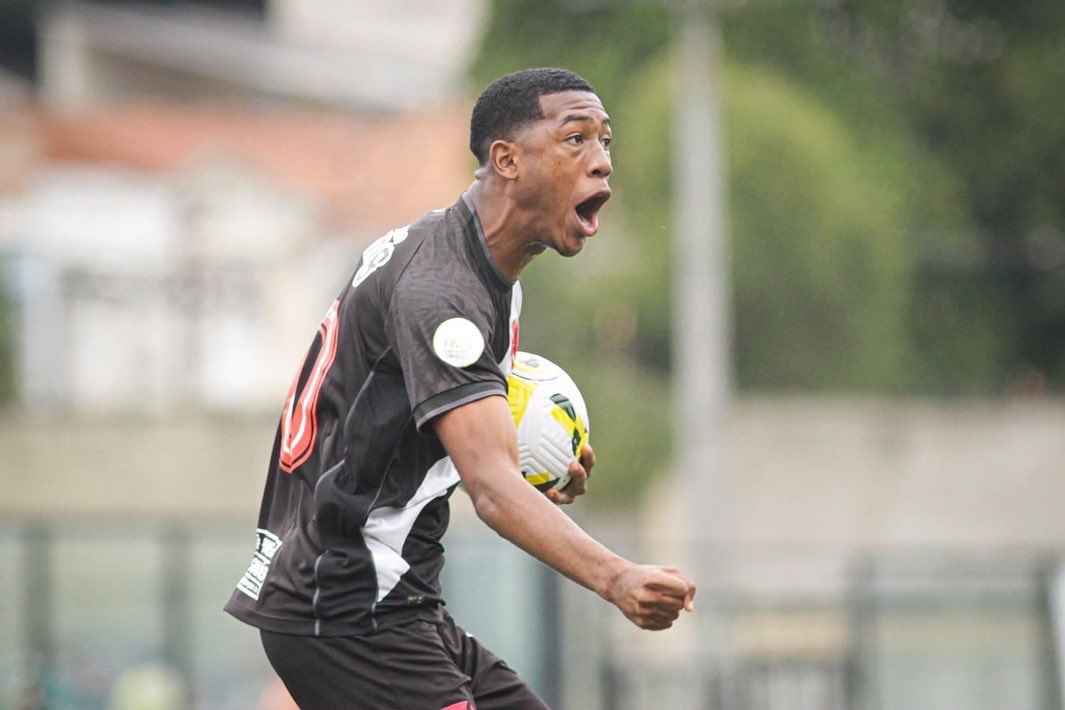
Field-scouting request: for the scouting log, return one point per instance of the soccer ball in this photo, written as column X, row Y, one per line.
column 551, row 419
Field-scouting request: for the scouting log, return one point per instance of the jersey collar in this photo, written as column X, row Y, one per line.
column 470, row 213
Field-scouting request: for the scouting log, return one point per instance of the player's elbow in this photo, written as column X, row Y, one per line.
column 487, row 504
column 497, row 501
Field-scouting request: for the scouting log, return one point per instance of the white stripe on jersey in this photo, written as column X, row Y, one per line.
column 387, row 528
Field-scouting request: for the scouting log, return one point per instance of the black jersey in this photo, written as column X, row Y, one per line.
column 356, row 496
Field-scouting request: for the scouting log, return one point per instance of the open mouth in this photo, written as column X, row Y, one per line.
column 588, row 211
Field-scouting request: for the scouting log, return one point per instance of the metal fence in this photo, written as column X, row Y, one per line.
column 90, row 606
column 89, row 603
column 910, row 630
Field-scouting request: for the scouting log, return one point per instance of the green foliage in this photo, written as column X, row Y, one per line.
column 643, row 182
column 631, row 427
column 603, row 43
column 1003, row 132
column 821, row 218
column 974, row 85
column 896, row 202
column 821, row 264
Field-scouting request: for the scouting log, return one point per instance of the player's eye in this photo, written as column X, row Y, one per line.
column 606, row 141
column 575, row 139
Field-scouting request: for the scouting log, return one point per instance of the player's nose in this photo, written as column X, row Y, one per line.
column 600, row 164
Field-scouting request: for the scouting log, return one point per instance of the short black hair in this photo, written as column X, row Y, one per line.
column 513, row 100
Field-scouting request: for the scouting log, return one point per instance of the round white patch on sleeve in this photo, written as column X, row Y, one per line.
column 458, row 342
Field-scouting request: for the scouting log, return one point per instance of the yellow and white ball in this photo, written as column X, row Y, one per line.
column 551, row 419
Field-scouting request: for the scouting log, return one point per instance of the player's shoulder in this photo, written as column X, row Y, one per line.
column 440, row 258
column 387, row 257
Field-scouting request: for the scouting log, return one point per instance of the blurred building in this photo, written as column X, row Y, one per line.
column 167, row 256
column 195, row 185
column 180, row 200
column 358, row 54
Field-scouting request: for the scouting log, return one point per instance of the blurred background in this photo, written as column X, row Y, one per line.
column 821, row 335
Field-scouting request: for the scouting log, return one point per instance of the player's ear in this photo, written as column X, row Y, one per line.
column 503, row 157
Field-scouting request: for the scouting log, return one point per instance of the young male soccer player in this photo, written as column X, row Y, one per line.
column 402, row 396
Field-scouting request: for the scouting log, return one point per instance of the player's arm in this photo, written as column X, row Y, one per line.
column 481, row 440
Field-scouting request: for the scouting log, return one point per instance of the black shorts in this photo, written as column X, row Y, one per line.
column 420, row 665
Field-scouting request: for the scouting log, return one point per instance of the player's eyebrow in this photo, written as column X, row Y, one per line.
column 582, row 118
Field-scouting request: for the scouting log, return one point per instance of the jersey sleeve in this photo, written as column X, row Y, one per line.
column 442, row 338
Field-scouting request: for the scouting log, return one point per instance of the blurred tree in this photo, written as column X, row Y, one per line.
column 974, row 84
column 895, row 202
column 896, row 193
column 821, row 263
column 604, row 42
column 819, row 231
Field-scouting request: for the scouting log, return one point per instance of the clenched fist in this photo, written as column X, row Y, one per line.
column 652, row 596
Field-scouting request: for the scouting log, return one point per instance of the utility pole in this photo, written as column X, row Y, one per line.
column 701, row 323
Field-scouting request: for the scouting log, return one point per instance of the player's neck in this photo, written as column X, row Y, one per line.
column 505, row 226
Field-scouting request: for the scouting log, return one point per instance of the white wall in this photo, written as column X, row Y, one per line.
column 807, row 473
column 141, row 293
column 354, row 53
column 442, row 32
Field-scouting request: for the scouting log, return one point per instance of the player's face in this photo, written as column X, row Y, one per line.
column 567, row 166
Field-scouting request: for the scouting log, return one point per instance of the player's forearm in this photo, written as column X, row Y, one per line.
column 481, row 441
column 521, row 514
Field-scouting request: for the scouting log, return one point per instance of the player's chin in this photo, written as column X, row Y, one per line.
column 571, row 245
